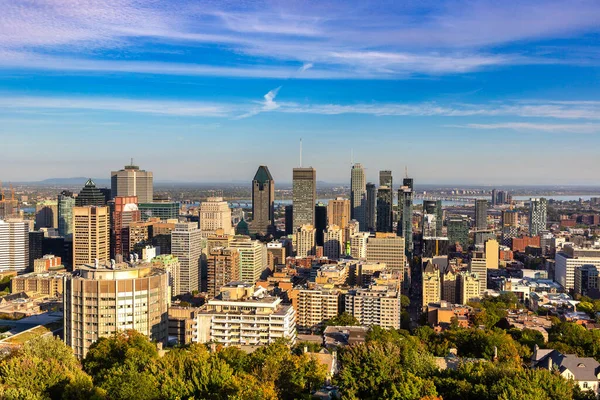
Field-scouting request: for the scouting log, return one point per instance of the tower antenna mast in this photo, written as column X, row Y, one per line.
column 300, row 152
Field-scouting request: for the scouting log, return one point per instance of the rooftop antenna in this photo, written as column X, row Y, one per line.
column 352, row 156
column 300, row 152
column 405, row 171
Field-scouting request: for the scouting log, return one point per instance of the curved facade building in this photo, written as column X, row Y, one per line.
column 101, row 301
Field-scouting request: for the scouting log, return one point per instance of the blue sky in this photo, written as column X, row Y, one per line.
column 204, row 91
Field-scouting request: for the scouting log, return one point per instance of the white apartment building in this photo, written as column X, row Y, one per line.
column 333, row 242
column 358, row 245
column 570, row 259
column 245, row 316
column 305, row 241
column 14, row 245
column 186, row 245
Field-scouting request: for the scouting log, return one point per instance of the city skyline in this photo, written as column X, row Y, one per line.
column 474, row 86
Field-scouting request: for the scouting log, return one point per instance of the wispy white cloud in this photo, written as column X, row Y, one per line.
column 268, row 104
column 157, row 107
column 346, row 39
column 539, row 113
column 529, row 126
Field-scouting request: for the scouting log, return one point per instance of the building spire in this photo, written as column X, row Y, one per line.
column 300, row 152
column 406, row 171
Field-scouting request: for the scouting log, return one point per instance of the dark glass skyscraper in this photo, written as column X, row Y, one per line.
column 90, row 196
column 371, row 207
column 304, row 196
column 320, row 222
column 384, row 209
column 66, row 202
column 263, row 200
column 458, row 231
column 405, row 210
column 289, row 220
column 358, row 196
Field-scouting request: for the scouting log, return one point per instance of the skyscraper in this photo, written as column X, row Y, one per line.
column 538, row 216
column 481, row 211
column 510, row 226
column 14, row 245
column 384, row 209
column 186, row 245
column 385, row 179
column 215, row 214
column 132, row 181
column 263, row 200
column 289, row 219
column 458, row 231
column 371, row 208
column 90, row 195
column 338, row 212
column 320, row 222
column 358, row 195
column 66, row 202
column 304, row 197
column 91, row 235
column 253, row 258
column 405, row 209
column 433, row 216
column 123, row 211
column 46, row 214
column 334, row 242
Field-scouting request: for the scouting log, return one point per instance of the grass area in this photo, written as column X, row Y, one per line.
column 26, row 336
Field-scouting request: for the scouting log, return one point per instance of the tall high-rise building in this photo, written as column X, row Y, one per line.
column 458, row 231
column 432, row 218
column 66, row 202
column 14, row 245
column 468, row 287
column 320, row 223
column 494, row 197
column 492, row 253
column 358, row 195
column 123, row 211
column 253, row 258
column 389, row 249
column 90, row 195
column 91, row 235
column 36, row 246
column 481, row 212
column 334, row 242
column 538, row 215
column 126, row 297
column 289, row 219
column 186, row 245
column 304, row 197
column 305, row 241
column 215, row 214
column 223, row 266
column 371, row 208
column 385, row 179
column 338, row 212
column 405, row 210
column 384, row 209
column 132, row 181
column 263, row 201
column 46, row 214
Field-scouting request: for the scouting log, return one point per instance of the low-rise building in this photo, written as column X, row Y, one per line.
column 44, row 283
column 244, row 316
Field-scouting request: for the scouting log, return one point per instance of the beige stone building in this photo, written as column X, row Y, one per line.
column 315, row 305
column 253, row 258
column 377, row 305
column 91, row 235
column 215, row 214
column 387, row 248
column 333, row 242
column 431, row 283
column 468, row 288
column 305, row 241
column 44, row 283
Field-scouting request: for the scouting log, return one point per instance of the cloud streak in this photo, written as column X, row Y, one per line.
column 531, row 109
column 542, row 127
column 345, row 39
